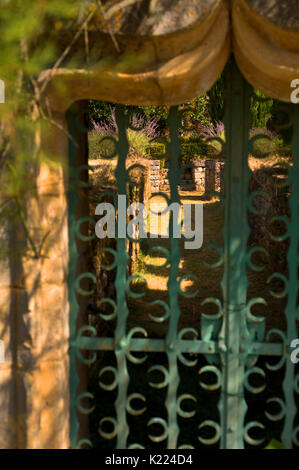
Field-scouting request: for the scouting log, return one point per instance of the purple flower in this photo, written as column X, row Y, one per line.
column 215, row 130
column 263, row 132
column 139, row 122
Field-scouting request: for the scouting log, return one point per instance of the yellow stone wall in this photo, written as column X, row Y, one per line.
column 169, row 69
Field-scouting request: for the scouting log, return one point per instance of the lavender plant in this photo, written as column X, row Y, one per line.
column 214, row 135
column 267, row 142
column 142, row 131
column 215, row 130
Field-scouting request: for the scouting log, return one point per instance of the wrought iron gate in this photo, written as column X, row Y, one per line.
column 233, row 345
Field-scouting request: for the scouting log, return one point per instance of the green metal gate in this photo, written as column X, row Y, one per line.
column 233, row 345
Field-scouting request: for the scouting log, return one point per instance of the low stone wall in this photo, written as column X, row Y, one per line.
column 204, row 176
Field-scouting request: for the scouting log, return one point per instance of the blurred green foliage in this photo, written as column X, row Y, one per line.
column 29, row 45
column 194, row 112
column 40, row 35
column 216, row 104
column 274, row 444
column 261, row 108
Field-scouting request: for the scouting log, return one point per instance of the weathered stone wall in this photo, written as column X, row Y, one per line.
column 34, row 384
column 206, row 175
column 175, row 67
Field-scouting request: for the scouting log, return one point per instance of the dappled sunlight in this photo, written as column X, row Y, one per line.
column 197, row 282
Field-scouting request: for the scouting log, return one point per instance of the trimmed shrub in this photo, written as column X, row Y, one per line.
column 99, row 148
column 155, row 150
column 270, row 142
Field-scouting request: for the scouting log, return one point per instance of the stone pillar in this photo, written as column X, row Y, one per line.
column 34, row 310
column 219, row 177
column 199, row 175
column 154, row 175
column 210, row 176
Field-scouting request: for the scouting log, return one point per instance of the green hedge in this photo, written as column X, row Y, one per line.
column 191, row 147
column 155, row 151
column 99, row 148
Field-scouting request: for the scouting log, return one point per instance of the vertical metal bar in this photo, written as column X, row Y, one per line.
column 120, row 285
column 73, row 255
column 234, row 283
column 173, row 175
column 292, row 287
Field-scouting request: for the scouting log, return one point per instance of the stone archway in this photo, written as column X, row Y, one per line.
column 172, row 67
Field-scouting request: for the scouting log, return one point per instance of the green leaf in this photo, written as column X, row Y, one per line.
column 274, row 444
